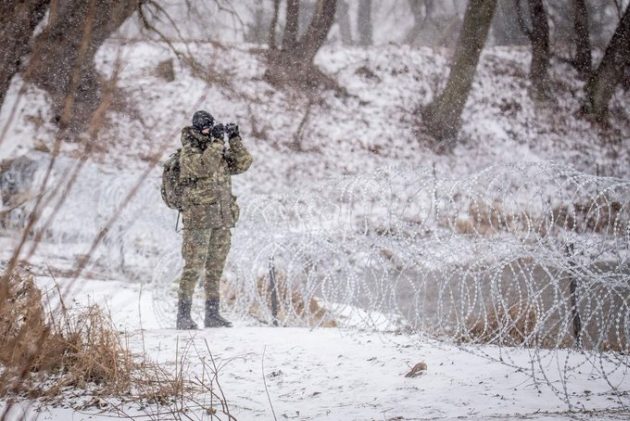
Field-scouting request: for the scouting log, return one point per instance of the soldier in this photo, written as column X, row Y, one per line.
column 209, row 210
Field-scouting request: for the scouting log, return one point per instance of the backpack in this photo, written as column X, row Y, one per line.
column 172, row 188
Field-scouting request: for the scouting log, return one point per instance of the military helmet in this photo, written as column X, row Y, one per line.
column 202, row 120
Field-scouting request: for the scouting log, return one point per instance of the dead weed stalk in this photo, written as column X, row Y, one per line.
column 44, row 355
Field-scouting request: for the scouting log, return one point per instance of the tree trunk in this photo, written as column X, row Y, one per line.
column 504, row 23
column 290, row 38
column 343, row 20
column 317, row 32
column 17, row 22
column 274, row 24
column 364, row 22
column 419, row 18
column 540, row 49
column 62, row 62
column 295, row 65
column 583, row 59
column 601, row 85
column 443, row 116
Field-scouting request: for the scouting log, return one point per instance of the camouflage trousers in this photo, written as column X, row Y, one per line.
column 204, row 252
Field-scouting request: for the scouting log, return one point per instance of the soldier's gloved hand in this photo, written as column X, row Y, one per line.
column 218, row 131
column 232, row 130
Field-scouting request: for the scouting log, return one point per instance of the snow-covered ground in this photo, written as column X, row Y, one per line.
column 365, row 145
column 329, row 373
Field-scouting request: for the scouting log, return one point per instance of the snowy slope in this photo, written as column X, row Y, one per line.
column 374, row 126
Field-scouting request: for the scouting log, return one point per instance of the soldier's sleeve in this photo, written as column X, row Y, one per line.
column 195, row 164
column 238, row 158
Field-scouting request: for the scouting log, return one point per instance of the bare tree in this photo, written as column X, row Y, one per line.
column 343, row 20
column 317, row 32
column 364, row 22
column 296, row 65
column 62, row 62
column 610, row 72
column 421, row 11
column 506, row 23
column 538, row 71
column 443, row 116
column 583, row 60
column 17, row 23
column 539, row 38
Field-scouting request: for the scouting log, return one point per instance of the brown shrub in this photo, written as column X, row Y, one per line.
column 41, row 356
column 22, row 324
column 487, row 219
column 76, row 350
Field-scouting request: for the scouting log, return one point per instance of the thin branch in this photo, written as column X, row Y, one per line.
column 68, row 107
column 265, row 382
column 186, row 58
column 147, row 25
column 96, row 123
column 230, row 10
column 222, row 398
column 297, row 137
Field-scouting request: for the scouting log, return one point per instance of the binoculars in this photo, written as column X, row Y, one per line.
column 219, row 130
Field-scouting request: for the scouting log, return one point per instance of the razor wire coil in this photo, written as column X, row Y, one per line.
column 530, row 256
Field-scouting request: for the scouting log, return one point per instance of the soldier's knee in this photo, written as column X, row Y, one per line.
column 191, row 274
column 194, row 259
column 186, row 288
column 213, row 271
column 222, row 235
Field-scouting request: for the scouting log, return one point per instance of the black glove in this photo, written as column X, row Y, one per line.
column 232, row 130
column 218, row 131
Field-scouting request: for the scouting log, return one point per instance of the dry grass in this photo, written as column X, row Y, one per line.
column 490, row 218
column 598, row 215
column 515, row 325
column 290, row 305
column 43, row 355
column 487, row 219
column 46, row 355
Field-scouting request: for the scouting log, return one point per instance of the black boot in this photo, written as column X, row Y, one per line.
column 213, row 318
column 184, row 321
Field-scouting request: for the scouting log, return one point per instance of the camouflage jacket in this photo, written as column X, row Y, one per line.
column 208, row 199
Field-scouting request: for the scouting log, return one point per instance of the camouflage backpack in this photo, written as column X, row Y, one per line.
column 172, row 188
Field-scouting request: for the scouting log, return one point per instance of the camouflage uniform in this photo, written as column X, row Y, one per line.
column 210, row 209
